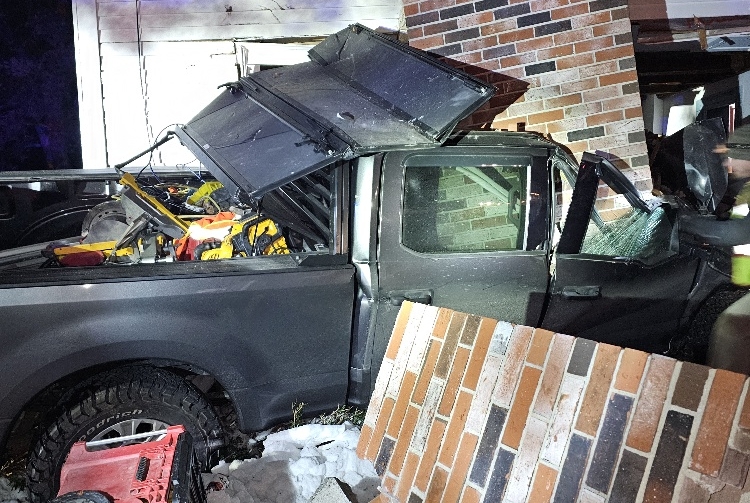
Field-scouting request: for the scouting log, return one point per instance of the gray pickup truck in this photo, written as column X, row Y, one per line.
column 374, row 199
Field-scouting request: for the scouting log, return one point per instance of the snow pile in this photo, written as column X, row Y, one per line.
column 9, row 494
column 294, row 464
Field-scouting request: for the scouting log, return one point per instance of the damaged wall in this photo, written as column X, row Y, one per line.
column 565, row 69
column 145, row 64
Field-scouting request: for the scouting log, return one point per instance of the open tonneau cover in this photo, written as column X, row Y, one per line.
column 361, row 92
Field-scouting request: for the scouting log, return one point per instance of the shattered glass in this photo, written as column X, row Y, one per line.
column 637, row 234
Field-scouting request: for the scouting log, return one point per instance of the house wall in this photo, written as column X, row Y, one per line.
column 145, row 64
column 676, row 9
column 564, row 68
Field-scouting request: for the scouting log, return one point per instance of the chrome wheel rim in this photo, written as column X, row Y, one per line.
column 127, row 428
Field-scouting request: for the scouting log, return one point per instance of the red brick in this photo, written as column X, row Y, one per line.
column 479, row 44
column 578, row 85
column 570, row 11
column 632, row 113
column 407, row 477
column 599, row 17
column 629, row 100
column 576, row 61
column 553, row 373
column 713, row 433
column 539, row 346
column 613, row 28
column 424, row 376
column 535, row 44
column 593, row 45
column 427, row 42
column 457, row 477
column 543, row 485
column 415, row 33
column 516, row 35
column 519, row 411
column 398, row 330
column 592, row 408
column 429, row 457
column 379, row 431
column 478, row 353
column 623, row 51
column 618, row 78
column 475, row 19
column 411, row 9
column 517, row 60
column 454, row 381
column 439, row 28
column 630, row 372
column 403, row 436
column 745, row 414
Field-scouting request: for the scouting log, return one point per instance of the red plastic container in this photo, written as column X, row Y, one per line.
column 164, row 470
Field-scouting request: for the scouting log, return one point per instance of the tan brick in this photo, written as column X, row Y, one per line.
column 478, row 353
column 427, row 415
column 543, row 485
column 614, row 28
column 406, row 479
column 449, row 346
column 398, row 330
column 441, row 323
column 403, row 438
column 378, row 392
column 402, row 401
column 539, row 346
column 379, row 431
column 389, row 484
column 514, row 358
column 630, row 372
column 481, row 402
column 553, row 374
column 475, row 19
column 713, row 433
column 563, row 101
column 427, row 370
column 380, row 498
column 470, row 495
column 535, row 44
column 592, row 408
column 464, row 456
column 454, row 381
column 519, row 411
column 578, row 85
column 599, row 17
column 572, row 36
column 429, row 457
column 455, row 427
column 605, row 118
column 565, row 411
column 498, row 27
column 648, row 410
column 525, row 462
column 365, row 435
column 552, row 115
column 555, row 52
column 540, row 5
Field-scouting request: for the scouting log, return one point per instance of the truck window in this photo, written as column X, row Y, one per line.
column 455, row 209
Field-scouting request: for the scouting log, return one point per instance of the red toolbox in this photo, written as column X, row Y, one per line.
column 164, row 470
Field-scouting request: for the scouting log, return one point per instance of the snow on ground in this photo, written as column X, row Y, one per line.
column 293, row 465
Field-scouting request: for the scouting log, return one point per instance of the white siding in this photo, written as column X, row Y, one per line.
column 158, row 62
column 677, row 9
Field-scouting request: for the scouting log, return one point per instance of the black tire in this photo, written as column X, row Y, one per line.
column 120, row 397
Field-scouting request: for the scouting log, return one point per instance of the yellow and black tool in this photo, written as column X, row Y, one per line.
column 245, row 238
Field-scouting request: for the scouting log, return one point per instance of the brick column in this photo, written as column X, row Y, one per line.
column 564, row 68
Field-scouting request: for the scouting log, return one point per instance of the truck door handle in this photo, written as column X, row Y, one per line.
column 582, row 292
column 422, row 296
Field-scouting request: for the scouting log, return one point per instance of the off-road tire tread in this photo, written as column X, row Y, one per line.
column 105, row 392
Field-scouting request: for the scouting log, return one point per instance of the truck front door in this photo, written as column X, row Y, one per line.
column 464, row 231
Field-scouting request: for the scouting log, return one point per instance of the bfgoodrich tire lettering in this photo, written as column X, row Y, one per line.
column 130, row 395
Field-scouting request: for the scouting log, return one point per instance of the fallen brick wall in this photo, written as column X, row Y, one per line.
column 471, row 409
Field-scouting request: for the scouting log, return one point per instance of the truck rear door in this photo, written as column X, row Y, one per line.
column 463, row 230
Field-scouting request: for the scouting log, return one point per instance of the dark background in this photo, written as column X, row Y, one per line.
column 39, row 126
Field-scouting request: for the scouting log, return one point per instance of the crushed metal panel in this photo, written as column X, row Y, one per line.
column 362, row 92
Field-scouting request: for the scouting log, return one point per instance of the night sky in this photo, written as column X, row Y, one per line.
column 39, row 127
